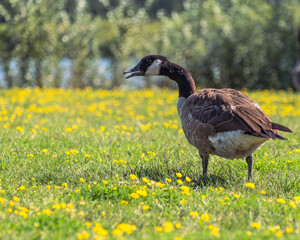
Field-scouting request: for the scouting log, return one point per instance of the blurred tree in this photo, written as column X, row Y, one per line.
column 6, row 49
column 223, row 43
column 119, row 23
column 233, row 43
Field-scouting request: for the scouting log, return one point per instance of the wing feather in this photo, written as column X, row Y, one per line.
column 229, row 110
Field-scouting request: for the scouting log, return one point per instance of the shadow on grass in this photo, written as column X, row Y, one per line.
column 199, row 181
column 209, row 180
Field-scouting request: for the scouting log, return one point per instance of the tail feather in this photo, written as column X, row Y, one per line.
column 280, row 127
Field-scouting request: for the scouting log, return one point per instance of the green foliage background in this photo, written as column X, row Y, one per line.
column 223, row 43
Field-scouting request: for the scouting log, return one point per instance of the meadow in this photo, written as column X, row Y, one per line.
column 96, row 164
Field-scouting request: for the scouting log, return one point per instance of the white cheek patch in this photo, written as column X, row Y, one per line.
column 154, row 68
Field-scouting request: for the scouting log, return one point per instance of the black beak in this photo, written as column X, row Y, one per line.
column 135, row 72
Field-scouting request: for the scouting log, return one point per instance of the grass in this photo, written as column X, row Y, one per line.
column 105, row 165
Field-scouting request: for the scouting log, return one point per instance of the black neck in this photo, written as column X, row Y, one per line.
column 299, row 42
column 183, row 78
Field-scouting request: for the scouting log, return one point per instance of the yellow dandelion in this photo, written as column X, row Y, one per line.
column 292, row 204
column 88, row 224
column 168, row 180
column 82, row 180
column 279, row 234
column 158, row 229
column 125, row 227
column 205, row 217
column 83, row 235
column 168, row 226
column 177, row 225
column 179, row 181
column 19, row 129
column 289, row 230
column 215, row 232
column 194, row 214
column 280, row 200
column 255, row 225
column 178, row 238
column 142, row 193
column 16, row 199
column 236, row 195
column 133, row 177
column 179, row 175
column 134, row 195
column 145, row 207
column 47, row 212
column 249, row 185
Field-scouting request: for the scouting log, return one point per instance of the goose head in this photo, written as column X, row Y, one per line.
column 150, row 65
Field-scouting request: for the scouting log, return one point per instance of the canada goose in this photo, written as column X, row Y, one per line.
column 296, row 70
column 222, row 122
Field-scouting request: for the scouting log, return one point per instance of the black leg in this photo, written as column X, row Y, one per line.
column 204, row 163
column 249, row 160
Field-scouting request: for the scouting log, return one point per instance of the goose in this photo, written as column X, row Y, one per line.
column 296, row 70
column 223, row 122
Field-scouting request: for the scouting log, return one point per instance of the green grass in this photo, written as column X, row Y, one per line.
column 66, row 193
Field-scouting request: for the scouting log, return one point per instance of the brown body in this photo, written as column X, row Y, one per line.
column 225, row 122
column 222, row 122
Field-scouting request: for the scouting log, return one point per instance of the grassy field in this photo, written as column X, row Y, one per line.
column 116, row 165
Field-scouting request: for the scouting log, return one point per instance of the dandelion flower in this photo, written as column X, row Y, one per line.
column 133, row 177
column 280, row 200
column 158, row 229
column 82, row 180
column 292, row 204
column 179, row 175
column 83, row 235
column 236, row 195
column 179, row 181
column 134, row 195
column 168, row 180
column 146, row 180
column 168, row 227
column 194, row 214
column 178, row 238
column 145, row 207
column 47, row 212
column 289, row 230
column 177, row 225
column 249, row 185
column 255, row 225
column 205, row 217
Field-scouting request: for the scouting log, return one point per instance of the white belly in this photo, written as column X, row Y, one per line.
column 235, row 144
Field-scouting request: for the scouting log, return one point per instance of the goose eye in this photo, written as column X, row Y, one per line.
column 149, row 60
